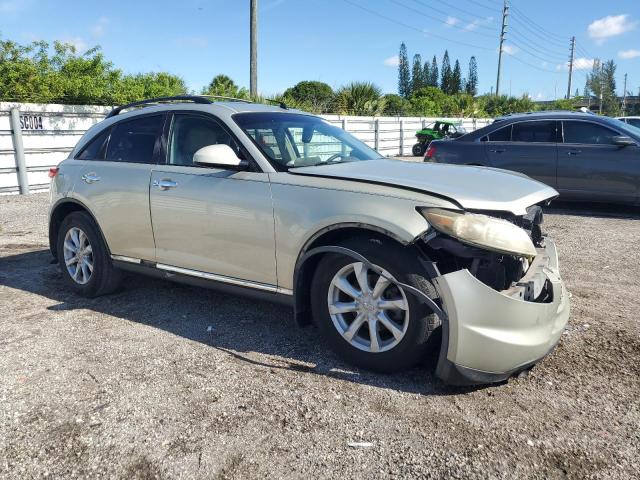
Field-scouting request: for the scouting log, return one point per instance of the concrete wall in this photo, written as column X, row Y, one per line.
column 49, row 133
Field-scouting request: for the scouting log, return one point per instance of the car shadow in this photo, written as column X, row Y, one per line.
column 236, row 325
column 593, row 210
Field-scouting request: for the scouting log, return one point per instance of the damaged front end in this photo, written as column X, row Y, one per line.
column 504, row 312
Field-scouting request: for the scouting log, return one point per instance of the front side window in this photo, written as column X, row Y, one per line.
column 134, row 141
column 534, row 132
column 294, row 140
column 190, row 133
column 587, row 133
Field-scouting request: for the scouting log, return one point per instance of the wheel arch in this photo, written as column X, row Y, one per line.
column 305, row 265
column 63, row 208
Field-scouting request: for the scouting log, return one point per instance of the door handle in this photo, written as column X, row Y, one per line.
column 165, row 184
column 497, row 150
column 574, row 152
column 91, row 177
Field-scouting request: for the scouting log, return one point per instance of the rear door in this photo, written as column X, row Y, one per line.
column 211, row 220
column 528, row 147
column 114, row 183
column 591, row 167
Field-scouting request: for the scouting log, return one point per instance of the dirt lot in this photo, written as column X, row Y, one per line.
column 165, row 381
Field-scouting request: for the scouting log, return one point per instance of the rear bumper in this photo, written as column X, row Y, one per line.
column 491, row 335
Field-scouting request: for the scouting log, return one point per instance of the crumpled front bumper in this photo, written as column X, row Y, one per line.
column 491, row 335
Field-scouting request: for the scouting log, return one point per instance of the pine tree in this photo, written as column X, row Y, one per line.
column 445, row 79
column 433, row 73
column 404, row 75
column 417, row 81
column 471, row 85
column 456, row 78
column 426, row 74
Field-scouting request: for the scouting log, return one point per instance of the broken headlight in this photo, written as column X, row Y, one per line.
column 481, row 231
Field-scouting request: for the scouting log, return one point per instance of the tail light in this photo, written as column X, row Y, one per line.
column 431, row 151
column 53, row 171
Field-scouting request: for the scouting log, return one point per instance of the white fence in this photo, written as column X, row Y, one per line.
column 47, row 133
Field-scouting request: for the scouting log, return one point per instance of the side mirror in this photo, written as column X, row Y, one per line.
column 623, row 141
column 221, row 156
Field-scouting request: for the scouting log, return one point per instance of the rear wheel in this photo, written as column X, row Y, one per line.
column 418, row 149
column 368, row 320
column 84, row 259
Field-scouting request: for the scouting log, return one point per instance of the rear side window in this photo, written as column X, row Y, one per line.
column 501, row 135
column 587, row 133
column 134, row 141
column 95, row 148
column 534, row 132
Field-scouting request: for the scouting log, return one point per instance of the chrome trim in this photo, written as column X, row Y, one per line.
column 122, row 258
column 223, row 279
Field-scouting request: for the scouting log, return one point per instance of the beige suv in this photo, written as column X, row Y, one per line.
column 379, row 254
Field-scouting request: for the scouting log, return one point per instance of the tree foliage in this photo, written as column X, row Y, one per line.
column 433, row 73
column 44, row 73
column 404, row 75
column 417, row 79
column 313, row 96
column 223, row 86
column 360, row 98
column 471, row 85
column 446, row 73
column 456, row 79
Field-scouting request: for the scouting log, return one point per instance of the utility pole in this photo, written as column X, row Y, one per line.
column 601, row 90
column 503, row 31
column 624, row 97
column 253, row 49
column 573, row 46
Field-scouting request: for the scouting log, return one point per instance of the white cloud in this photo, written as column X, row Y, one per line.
column 392, row 61
column 476, row 23
column 77, row 42
column 99, row 28
column 451, row 21
column 626, row 54
column 509, row 49
column 580, row 63
column 610, row 26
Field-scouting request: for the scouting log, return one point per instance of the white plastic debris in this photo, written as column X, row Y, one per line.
column 360, row 444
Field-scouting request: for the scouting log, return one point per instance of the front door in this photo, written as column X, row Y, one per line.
column 211, row 220
column 591, row 167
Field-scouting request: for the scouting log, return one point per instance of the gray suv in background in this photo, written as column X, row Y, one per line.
column 583, row 156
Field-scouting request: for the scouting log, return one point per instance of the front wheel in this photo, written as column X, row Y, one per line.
column 418, row 149
column 368, row 320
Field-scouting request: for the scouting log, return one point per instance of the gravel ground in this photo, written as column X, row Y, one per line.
column 165, row 381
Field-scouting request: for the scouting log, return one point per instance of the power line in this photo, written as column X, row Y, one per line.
column 532, row 65
column 544, row 31
column 474, row 18
column 493, row 9
column 537, row 46
column 536, row 33
column 411, row 27
column 534, row 55
column 419, row 12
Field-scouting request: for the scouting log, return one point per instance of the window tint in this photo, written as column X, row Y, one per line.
column 634, row 122
column 587, row 133
column 95, row 148
column 190, row 133
column 500, row 135
column 267, row 141
column 534, row 132
column 134, row 141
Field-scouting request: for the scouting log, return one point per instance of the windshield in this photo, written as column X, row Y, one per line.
column 296, row 140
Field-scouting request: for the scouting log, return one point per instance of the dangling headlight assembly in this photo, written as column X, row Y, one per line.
column 481, row 231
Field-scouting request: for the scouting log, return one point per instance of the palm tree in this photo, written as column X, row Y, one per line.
column 224, row 86
column 360, row 98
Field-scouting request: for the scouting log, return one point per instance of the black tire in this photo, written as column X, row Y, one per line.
column 105, row 278
column 399, row 262
column 418, row 149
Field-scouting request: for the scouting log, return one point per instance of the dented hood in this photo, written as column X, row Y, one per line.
column 473, row 188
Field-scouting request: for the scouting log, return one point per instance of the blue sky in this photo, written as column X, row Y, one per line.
column 337, row 41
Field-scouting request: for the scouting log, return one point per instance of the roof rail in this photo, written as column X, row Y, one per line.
column 189, row 98
column 233, row 99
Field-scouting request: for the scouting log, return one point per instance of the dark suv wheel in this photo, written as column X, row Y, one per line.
column 83, row 257
column 366, row 319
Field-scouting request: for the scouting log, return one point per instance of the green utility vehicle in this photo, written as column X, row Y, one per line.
column 436, row 131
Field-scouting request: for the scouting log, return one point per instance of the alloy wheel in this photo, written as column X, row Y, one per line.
column 78, row 255
column 369, row 311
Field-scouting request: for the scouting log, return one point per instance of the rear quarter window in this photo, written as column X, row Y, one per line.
column 135, row 141
column 96, row 147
